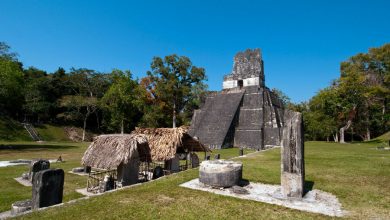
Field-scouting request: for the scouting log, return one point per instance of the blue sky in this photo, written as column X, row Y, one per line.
column 303, row 42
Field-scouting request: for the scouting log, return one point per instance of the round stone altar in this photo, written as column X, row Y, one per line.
column 220, row 173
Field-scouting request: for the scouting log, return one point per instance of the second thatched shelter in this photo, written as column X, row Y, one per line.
column 165, row 143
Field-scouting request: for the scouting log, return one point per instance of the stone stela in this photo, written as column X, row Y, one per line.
column 47, row 188
column 245, row 113
column 36, row 166
column 293, row 164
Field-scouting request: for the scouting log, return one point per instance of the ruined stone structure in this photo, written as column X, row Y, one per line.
column 245, row 113
column 293, row 163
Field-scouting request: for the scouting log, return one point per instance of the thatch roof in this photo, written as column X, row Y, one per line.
column 109, row 151
column 165, row 142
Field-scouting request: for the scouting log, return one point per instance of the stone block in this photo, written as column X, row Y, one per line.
column 128, row 173
column 47, row 188
column 272, row 137
column 20, row 207
column 252, row 100
column 252, row 139
column 250, row 119
column 194, row 160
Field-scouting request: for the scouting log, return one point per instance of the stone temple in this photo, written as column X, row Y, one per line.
column 245, row 113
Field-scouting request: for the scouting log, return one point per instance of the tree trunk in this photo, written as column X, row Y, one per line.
column 84, row 127
column 346, row 127
column 97, row 120
column 174, row 115
column 122, row 127
column 327, row 138
column 368, row 134
column 383, row 110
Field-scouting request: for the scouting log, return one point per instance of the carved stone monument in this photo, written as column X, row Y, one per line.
column 194, row 160
column 47, row 188
column 293, row 164
column 36, row 166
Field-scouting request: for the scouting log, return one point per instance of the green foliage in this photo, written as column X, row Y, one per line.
column 11, row 130
column 121, row 103
column 171, row 83
column 358, row 100
column 11, row 81
column 38, row 101
column 282, row 96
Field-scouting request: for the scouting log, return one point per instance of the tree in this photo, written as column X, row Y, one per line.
column 372, row 70
column 323, row 114
column 197, row 97
column 121, row 101
column 37, row 94
column 11, row 81
column 358, row 100
column 80, row 107
column 88, row 87
column 173, row 78
column 286, row 101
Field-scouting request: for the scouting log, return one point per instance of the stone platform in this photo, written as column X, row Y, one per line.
column 315, row 201
column 22, row 181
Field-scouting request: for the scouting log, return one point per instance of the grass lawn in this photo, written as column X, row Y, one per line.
column 11, row 191
column 358, row 174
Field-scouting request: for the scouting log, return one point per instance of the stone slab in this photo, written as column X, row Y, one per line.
column 315, row 201
column 22, row 181
column 292, row 154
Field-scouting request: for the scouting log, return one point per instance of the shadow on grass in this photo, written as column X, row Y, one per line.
column 308, row 186
column 244, row 182
column 376, row 141
column 34, row 146
column 43, row 126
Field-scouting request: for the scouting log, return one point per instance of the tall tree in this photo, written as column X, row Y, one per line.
column 286, row 101
column 37, row 94
column 121, row 101
column 88, row 87
column 372, row 69
column 173, row 78
column 11, row 81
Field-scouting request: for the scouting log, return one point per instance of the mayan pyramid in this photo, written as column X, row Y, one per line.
column 245, row 113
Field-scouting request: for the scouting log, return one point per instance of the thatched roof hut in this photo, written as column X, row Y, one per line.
column 165, row 142
column 109, row 151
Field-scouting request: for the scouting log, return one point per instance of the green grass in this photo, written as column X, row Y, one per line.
column 11, row 130
column 384, row 137
column 358, row 174
column 12, row 191
column 51, row 133
column 224, row 153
